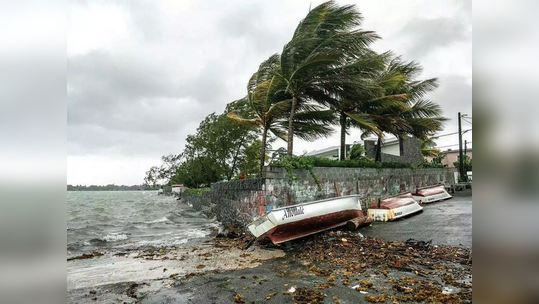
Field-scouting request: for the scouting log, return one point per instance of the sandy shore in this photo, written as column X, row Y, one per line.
column 162, row 265
column 332, row 267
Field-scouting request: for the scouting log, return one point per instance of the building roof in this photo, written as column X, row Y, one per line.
column 322, row 151
column 387, row 141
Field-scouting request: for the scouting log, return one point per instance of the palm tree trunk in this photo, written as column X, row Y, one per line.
column 378, row 157
column 401, row 145
column 342, row 155
column 263, row 156
column 290, row 149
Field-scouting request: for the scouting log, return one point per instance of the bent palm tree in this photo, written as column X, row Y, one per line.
column 325, row 43
column 403, row 111
column 270, row 102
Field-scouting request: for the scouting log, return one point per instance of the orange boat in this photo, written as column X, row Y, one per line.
column 431, row 194
column 393, row 207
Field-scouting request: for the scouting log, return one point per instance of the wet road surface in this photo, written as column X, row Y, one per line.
column 448, row 222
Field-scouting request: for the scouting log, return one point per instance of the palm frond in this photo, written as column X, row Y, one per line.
column 251, row 121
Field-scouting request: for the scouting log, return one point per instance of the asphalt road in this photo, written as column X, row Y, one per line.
column 447, row 223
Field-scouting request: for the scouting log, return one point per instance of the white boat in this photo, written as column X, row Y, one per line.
column 393, row 207
column 431, row 194
column 296, row 221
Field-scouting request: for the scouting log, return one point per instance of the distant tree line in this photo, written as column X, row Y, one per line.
column 110, row 187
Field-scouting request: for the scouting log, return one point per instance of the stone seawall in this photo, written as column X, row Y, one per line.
column 239, row 202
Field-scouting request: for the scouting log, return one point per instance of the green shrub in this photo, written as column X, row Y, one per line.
column 196, row 191
column 292, row 162
column 363, row 162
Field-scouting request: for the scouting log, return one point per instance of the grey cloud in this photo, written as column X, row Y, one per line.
column 143, row 95
column 424, row 36
column 130, row 99
column 454, row 95
column 428, row 35
column 158, row 88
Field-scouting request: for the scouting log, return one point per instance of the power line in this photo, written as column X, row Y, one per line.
column 452, row 133
column 436, row 147
column 446, row 146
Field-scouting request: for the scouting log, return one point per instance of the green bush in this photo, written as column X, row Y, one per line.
column 363, row 162
column 196, row 191
column 292, row 162
column 356, row 152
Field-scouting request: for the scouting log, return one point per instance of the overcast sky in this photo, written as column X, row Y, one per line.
column 141, row 75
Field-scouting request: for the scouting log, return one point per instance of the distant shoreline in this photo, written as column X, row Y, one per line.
column 110, row 190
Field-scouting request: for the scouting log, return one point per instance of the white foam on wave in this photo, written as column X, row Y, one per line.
column 196, row 233
column 179, row 238
column 162, row 242
column 161, row 220
column 113, row 237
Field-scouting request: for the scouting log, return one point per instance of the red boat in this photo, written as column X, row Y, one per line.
column 292, row 222
column 393, row 207
column 431, row 194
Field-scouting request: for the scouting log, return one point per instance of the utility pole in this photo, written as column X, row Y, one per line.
column 466, row 149
column 462, row 174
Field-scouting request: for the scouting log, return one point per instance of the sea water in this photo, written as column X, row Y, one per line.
column 121, row 220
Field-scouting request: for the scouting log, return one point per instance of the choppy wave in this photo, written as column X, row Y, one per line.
column 114, row 237
column 161, row 220
column 129, row 220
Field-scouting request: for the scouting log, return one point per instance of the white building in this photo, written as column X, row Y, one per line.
column 389, row 146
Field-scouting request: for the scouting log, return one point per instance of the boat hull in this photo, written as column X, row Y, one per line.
column 431, row 194
column 393, row 208
column 292, row 222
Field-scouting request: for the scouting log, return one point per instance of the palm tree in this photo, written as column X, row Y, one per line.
column 428, row 147
column 422, row 117
column 400, row 109
column 320, row 57
column 349, row 103
column 271, row 104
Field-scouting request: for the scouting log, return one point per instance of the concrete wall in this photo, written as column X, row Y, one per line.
column 240, row 202
column 370, row 183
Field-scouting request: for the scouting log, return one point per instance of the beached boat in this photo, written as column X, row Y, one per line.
column 296, row 221
column 431, row 194
column 393, row 207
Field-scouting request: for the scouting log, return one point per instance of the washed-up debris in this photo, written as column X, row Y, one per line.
column 320, row 271
column 322, row 286
column 86, row 256
column 366, row 283
column 304, row 295
column 271, row 295
column 376, row 299
column 191, row 274
column 233, row 236
column 419, row 244
column 239, row 298
column 368, row 256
